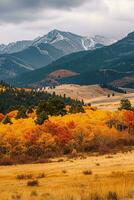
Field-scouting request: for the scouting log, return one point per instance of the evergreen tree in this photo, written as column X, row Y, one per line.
column 7, row 120
column 56, row 106
column 22, row 113
column 30, row 109
column 41, row 118
column 76, row 108
column 42, row 106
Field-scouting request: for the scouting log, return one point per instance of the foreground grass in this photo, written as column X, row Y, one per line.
column 92, row 178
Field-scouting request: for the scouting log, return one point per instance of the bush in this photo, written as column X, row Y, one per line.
column 112, row 196
column 6, row 160
column 87, row 172
column 102, row 144
column 33, row 183
column 24, row 176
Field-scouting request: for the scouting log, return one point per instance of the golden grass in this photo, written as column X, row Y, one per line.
column 115, row 174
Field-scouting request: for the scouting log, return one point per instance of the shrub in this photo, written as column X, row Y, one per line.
column 112, row 196
column 64, row 171
column 6, row 160
column 96, row 197
column 102, row 144
column 24, row 176
column 16, row 196
column 33, row 183
column 87, row 172
column 34, row 193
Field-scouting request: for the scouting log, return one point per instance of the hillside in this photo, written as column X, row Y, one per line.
column 103, row 65
column 80, row 92
column 11, row 66
column 39, row 55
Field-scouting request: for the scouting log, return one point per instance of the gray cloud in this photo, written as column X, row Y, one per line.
column 21, row 10
column 27, row 19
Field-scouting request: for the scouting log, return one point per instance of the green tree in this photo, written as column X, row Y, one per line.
column 7, row 120
column 22, row 113
column 30, row 109
column 76, row 108
column 56, row 106
column 125, row 104
column 42, row 106
column 41, row 118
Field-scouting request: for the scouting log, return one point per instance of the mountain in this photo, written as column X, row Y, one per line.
column 39, row 55
column 34, row 54
column 103, row 65
column 15, row 46
column 69, row 42
column 11, row 66
column 65, row 41
column 31, row 58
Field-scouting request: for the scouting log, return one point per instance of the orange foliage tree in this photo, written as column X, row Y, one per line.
column 129, row 119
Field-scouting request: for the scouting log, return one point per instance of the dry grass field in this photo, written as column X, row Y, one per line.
column 109, row 177
column 80, row 92
column 93, row 94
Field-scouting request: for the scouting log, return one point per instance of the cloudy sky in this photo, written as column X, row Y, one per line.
column 27, row 19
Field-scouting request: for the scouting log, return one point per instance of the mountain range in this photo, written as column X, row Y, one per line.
column 24, row 56
column 113, row 64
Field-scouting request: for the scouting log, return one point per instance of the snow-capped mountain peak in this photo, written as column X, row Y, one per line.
column 67, row 42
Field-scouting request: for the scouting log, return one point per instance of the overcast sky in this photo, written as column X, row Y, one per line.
column 27, row 19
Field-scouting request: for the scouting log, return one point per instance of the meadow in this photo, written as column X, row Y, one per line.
column 107, row 177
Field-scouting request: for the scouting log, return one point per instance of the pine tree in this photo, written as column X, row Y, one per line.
column 41, row 118
column 22, row 113
column 76, row 108
column 7, row 120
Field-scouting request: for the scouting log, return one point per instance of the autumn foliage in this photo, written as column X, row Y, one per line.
column 95, row 130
